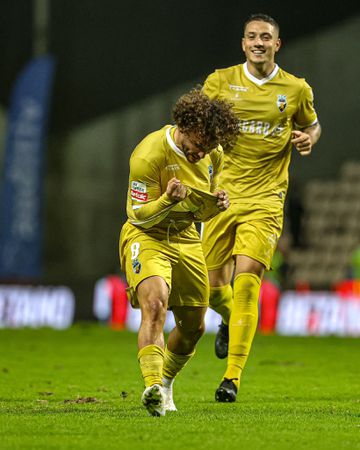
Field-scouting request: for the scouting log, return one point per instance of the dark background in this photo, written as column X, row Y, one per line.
column 111, row 53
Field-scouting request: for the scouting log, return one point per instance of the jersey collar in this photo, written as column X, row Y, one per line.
column 172, row 143
column 263, row 80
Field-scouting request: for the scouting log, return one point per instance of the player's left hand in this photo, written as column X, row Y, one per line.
column 302, row 142
column 223, row 200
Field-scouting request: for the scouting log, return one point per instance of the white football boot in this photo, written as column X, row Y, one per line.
column 154, row 401
column 169, row 404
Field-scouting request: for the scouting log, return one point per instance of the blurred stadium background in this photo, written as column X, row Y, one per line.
column 119, row 66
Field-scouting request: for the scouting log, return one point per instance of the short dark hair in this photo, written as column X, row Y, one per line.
column 262, row 18
column 212, row 121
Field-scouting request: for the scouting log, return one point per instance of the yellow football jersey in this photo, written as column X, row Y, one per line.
column 153, row 163
column 256, row 168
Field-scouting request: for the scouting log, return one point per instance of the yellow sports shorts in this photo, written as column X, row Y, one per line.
column 243, row 229
column 181, row 265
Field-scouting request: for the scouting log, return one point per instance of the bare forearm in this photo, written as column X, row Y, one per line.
column 314, row 131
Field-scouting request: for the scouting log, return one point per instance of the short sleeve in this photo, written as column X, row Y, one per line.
column 211, row 85
column 305, row 114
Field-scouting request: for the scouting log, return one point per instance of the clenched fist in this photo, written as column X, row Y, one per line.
column 175, row 190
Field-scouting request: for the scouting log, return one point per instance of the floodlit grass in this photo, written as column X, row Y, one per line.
column 80, row 389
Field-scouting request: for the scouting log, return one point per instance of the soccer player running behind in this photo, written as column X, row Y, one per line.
column 276, row 112
column 172, row 184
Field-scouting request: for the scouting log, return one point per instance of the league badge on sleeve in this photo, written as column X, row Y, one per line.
column 138, row 191
column 281, row 102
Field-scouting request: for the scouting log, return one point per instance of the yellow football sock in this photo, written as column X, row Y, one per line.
column 221, row 301
column 151, row 360
column 173, row 363
column 243, row 323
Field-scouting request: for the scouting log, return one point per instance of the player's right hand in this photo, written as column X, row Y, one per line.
column 175, row 190
column 223, row 200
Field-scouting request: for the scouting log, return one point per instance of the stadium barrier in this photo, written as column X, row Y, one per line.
column 36, row 306
column 296, row 313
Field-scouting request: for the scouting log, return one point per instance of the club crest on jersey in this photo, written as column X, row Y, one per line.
column 281, row 102
column 136, row 265
column 211, row 172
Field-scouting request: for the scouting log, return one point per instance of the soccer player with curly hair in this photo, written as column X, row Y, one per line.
column 173, row 184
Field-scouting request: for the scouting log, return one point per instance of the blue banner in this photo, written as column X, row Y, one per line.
column 21, row 221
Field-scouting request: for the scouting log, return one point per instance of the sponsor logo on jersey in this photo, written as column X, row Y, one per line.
column 138, row 191
column 281, row 102
column 238, row 89
column 172, row 167
column 278, row 129
column 254, row 127
column 136, row 265
column 235, row 87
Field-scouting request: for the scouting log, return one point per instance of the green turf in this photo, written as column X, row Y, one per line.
column 81, row 388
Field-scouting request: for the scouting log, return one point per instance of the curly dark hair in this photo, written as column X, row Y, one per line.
column 212, row 121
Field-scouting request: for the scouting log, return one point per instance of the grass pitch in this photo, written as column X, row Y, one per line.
column 81, row 388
